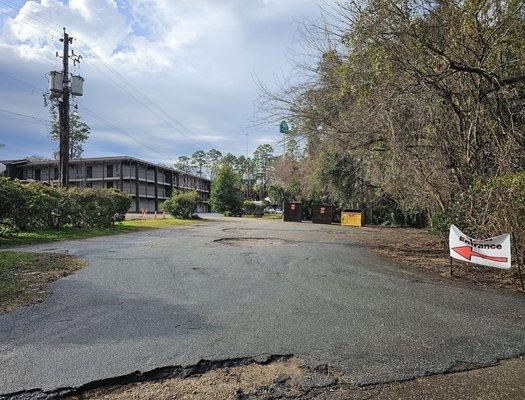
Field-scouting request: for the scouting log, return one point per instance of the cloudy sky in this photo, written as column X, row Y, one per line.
column 197, row 60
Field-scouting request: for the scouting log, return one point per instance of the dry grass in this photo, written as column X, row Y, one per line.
column 225, row 383
column 291, row 379
column 418, row 248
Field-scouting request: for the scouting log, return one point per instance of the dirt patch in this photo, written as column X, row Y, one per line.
column 503, row 381
column 285, row 378
column 418, row 248
column 25, row 277
column 292, row 379
column 250, row 242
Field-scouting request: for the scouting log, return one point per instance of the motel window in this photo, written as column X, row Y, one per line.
column 38, row 174
column 109, row 185
column 89, row 171
column 109, row 171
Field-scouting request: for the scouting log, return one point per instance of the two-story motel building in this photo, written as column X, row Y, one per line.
column 147, row 183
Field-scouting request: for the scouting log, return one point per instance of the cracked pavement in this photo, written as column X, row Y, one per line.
column 246, row 288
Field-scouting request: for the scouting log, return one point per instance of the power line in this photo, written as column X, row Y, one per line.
column 34, row 16
column 109, row 124
column 21, row 81
column 157, row 111
column 29, row 16
column 26, row 116
column 97, row 116
column 146, row 106
column 129, row 88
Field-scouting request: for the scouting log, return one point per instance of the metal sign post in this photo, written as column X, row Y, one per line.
column 284, row 129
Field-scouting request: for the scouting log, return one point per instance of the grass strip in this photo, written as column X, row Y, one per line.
column 12, row 238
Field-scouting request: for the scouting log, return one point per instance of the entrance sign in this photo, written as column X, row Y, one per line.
column 492, row 252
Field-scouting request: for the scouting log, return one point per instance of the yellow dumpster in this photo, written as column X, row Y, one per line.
column 353, row 218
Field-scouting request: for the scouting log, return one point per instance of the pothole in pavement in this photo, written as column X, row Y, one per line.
column 250, row 241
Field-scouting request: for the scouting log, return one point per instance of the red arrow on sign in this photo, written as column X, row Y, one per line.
column 467, row 252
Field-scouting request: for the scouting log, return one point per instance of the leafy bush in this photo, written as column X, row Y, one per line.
column 34, row 205
column 248, row 207
column 121, row 204
column 181, row 204
column 24, row 205
column 252, row 208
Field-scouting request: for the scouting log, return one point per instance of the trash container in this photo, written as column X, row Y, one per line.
column 292, row 212
column 322, row 214
column 352, row 218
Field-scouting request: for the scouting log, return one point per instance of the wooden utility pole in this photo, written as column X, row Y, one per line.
column 63, row 112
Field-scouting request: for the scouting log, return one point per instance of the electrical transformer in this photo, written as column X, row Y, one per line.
column 55, row 81
column 77, row 85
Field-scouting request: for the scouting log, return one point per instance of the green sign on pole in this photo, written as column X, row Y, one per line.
column 283, row 128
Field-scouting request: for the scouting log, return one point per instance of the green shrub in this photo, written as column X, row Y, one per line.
column 9, row 193
column 55, row 212
column 25, row 204
column 121, row 204
column 33, row 205
column 181, row 204
column 252, row 208
column 249, row 207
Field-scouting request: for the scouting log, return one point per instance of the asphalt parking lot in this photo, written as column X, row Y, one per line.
column 250, row 288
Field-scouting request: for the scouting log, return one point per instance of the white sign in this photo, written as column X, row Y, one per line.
column 492, row 252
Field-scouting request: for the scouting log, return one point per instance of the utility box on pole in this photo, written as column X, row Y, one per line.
column 77, row 85
column 56, row 82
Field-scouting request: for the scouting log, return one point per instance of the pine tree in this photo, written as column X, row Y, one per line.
column 226, row 196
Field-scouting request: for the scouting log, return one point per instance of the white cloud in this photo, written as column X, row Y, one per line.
column 97, row 23
column 196, row 60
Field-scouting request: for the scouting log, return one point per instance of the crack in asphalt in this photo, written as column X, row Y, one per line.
column 166, row 372
column 308, row 390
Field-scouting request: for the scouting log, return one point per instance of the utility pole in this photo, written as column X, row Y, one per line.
column 63, row 112
column 61, row 88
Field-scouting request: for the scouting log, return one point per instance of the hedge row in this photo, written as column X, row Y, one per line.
column 28, row 206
